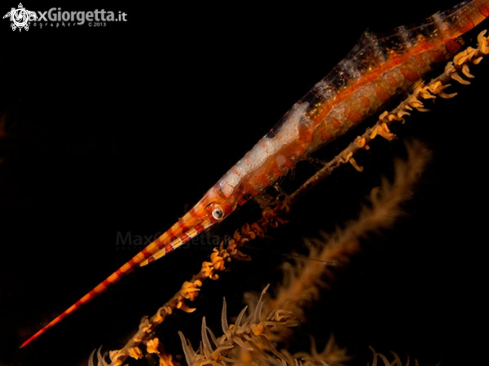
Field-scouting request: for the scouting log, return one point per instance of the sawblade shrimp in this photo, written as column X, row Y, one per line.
column 274, row 156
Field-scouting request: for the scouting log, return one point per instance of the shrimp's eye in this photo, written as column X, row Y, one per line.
column 217, row 213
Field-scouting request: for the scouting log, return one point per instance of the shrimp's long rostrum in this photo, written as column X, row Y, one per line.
column 378, row 69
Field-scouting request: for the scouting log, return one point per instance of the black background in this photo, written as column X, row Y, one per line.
column 120, row 129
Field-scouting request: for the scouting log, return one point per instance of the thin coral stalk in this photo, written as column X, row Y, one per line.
column 304, row 281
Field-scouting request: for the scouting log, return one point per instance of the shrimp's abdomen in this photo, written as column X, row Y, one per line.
column 377, row 70
column 382, row 67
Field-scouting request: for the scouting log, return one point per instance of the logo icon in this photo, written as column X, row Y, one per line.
column 19, row 17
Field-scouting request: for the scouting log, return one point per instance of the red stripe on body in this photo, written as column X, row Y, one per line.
column 131, row 263
column 93, row 293
column 484, row 10
column 325, row 134
column 353, row 115
column 392, row 81
column 436, row 55
column 145, row 252
column 468, row 26
column 336, row 124
column 199, row 228
column 365, row 102
column 452, row 47
column 184, row 238
column 409, row 73
column 382, row 94
column 169, row 248
column 418, row 59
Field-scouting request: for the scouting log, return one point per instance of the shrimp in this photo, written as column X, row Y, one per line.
column 375, row 72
